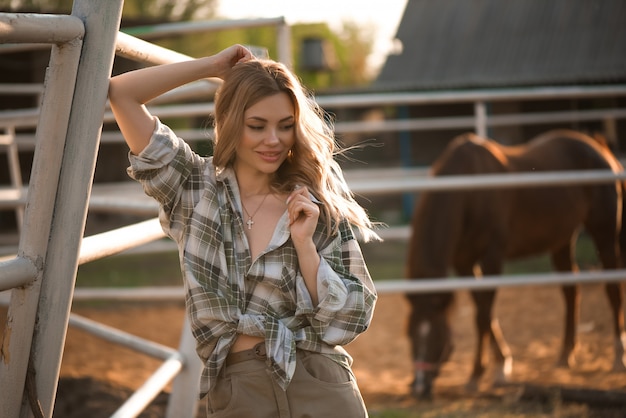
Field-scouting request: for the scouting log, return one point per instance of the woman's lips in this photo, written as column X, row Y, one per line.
column 269, row 157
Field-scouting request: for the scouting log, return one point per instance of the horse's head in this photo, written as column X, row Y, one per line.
column 431, row 339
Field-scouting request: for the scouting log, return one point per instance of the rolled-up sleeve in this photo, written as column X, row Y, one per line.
column 346, row 292
column 170, row 172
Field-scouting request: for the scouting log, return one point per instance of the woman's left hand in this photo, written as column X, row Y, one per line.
column 303, row 215
column 226, row 59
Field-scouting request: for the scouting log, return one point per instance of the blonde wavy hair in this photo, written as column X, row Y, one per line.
column 311, row 162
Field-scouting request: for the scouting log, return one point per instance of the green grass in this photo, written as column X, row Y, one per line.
column 135, row 270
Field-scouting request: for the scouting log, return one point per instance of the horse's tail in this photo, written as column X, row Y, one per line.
column 601, row 139
column 617, row 167
column 622, row 233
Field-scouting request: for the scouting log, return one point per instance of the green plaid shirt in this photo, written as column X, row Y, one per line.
column 229, row 293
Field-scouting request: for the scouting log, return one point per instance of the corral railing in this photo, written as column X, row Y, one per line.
column 59, row 193
column 43, row 271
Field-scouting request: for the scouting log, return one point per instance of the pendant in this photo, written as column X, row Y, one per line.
column 249, row 222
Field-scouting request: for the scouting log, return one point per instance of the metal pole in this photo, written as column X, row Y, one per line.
column 150, row 389
column 377, row 186
column 51, row 133
column 452, row 284
column 284, row 44
column 115, row 241
column 122, row 338
column 38, row 28
column 17, row 271
column 480, row 116
column 15, row 171
column 101, row 20
column 183, row 402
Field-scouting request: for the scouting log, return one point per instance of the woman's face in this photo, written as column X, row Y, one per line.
column 268, row 135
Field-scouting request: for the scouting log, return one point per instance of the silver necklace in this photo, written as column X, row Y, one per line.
column 250, row 221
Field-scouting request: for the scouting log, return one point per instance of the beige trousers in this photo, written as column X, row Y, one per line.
column 320, row 388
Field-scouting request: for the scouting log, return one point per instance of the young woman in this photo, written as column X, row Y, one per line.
column 275, row 280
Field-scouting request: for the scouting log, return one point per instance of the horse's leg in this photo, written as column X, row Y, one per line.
column 483, row 300
column 603, row 235
column 608, row 254
column 502, row 354
column 615, row 294
column 487, row 331
column 502, row 357
column 480, row 300
column 562, row 260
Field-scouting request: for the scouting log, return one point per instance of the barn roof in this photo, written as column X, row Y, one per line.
column 457, row 44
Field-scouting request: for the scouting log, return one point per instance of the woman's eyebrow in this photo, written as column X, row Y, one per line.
column 261, row 119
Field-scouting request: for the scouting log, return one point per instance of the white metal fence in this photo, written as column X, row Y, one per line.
column 42, row 272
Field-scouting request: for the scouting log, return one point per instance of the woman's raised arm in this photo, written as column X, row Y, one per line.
column 129, row 92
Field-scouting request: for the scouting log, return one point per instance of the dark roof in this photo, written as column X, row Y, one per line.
column 457, row 44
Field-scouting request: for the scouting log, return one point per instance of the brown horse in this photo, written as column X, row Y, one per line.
column 474, row 232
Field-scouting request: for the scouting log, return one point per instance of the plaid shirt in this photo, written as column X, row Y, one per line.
column 228, row 293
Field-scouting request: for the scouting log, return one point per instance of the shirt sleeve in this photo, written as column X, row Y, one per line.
column 170, row 172
column 346, row 292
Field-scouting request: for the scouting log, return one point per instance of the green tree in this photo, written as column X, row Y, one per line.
column 346, row 52
column 354, row 45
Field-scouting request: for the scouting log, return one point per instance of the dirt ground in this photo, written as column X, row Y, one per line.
column 96, row 377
